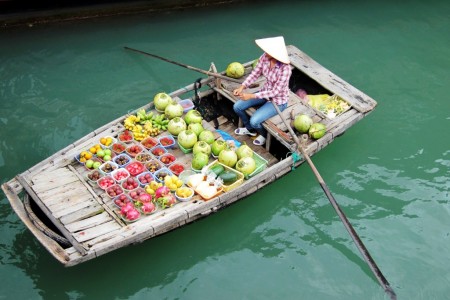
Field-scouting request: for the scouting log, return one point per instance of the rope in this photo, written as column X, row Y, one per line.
column 295, row 158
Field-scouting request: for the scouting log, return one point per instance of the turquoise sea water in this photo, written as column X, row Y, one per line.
column 390, row 172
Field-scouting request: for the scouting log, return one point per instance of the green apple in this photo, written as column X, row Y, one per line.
column 89, row 163
column 107, row 157
column 107, row 152
column 100, row 153
column 96, row 165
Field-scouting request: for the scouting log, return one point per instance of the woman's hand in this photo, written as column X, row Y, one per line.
column 238, row 91
column 247, row 96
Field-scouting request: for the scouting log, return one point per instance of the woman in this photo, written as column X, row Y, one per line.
column 274, row 66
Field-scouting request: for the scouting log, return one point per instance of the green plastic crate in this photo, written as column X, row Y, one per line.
column 261, row 164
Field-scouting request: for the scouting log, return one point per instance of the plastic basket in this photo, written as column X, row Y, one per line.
column 158, row 150
column 169, row 139
column 120, row 160
column 185, row 151
column 261, row 164
column 115, row 173
column 167, row 159
column 121, row 137
column 104, row 166
column 153, row 165
column 89, row 175
column 176, row 168
column 187, row 105
column 149, row 142
column 135, row 146
column 113, row 141
column 135, row 168
column 121, row 200
column 142, row 176
column 144, row 157
column 118, row 147
column 160, row 172
column 118, row 190
column 235, row 184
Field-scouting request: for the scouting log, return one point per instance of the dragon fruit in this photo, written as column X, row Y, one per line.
column 162, row 191
column 148, row 207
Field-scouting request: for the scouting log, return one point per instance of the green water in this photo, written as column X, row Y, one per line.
column 390, row 172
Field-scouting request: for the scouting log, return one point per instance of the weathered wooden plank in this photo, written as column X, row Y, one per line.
column 44, row 177
column 14, row 186
column 54, row 183
column 54, row 196
column 70, row 204
column 104, row 237
column 81, row 214
column 93, row 232
column 89, row 222
column 76, row 207
column 341, row 128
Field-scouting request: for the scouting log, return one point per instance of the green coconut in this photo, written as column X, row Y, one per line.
column 235, row 70
column 302, row 123
column 317, row 130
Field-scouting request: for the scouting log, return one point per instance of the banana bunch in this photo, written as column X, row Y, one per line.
column 130, row 122
column 160, row 122
column 139, row 133
column 144, row 117
column 150, row 130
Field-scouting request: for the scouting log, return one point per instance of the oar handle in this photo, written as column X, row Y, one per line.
column 185, row 66
column 360, row 245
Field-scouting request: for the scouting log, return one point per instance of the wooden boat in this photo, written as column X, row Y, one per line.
column 77, row 221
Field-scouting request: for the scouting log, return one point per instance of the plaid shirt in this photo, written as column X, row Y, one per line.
column 276, row 87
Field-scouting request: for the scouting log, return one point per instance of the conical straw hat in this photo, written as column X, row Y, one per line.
column 275, row 47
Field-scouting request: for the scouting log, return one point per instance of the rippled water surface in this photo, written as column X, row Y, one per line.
column 390, row 172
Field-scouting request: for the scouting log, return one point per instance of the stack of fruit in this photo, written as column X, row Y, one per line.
column 84, row 156
column 173, row 182
column 126, row 137
column 107, row 141
column 104, row 154
column 184, row 193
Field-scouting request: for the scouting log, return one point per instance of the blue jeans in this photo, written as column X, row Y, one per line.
column 264, row 112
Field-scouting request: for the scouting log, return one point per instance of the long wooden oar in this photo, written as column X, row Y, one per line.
column 365, row 253
column 185, row 66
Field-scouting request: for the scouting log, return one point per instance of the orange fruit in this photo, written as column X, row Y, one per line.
column 83, row 154
column 88, row 155
column 83, row 159
column 93, row 150
column 103, row 141
column 98, row 146
column 108, row 141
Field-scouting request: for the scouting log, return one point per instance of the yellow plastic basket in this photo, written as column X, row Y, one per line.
column 238, row 182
